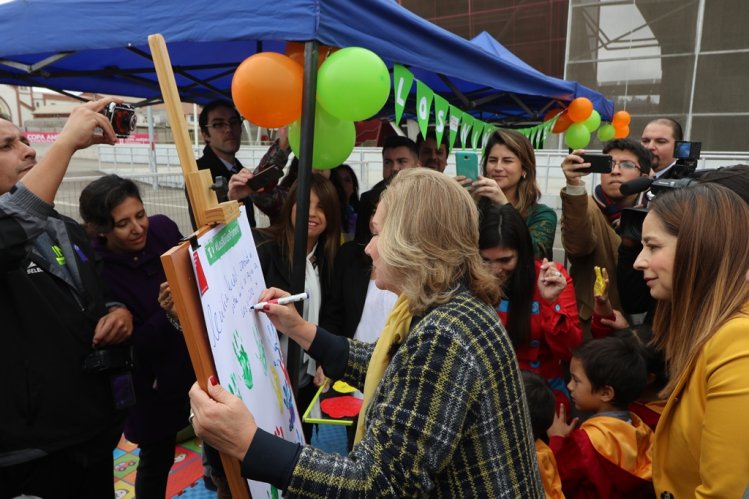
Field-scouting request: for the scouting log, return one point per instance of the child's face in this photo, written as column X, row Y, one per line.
column 581, row 391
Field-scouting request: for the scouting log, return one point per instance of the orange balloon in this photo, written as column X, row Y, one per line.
column 562, row 123
column 267, row 89
column 621, row 119
column 621, row 132
column 295, row 50
column 580, row 109
column 552, row 113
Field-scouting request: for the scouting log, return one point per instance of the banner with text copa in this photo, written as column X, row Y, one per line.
column 50, row 137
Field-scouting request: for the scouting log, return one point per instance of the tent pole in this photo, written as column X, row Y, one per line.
column 306, row 139
column 151, row 141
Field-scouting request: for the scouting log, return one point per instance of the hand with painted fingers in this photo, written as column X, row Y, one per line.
column 560, row 427
column 601, row 284
column 221, row 419
column 551, row 282
column 602, row 305
column 113, row 328
column 488, row 188
column 286, row 319
column 570, row 165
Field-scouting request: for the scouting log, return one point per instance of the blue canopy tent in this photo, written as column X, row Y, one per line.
column 101, row 46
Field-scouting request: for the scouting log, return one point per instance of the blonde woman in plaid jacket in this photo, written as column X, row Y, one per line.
column 444, row 412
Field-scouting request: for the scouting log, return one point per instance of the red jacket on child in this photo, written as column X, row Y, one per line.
column 606, row 457
column 555, row 331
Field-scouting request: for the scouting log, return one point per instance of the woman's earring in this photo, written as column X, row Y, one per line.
column 524, row 174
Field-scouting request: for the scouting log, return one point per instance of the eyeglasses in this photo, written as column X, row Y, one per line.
column 625, row 165
column 223, row 125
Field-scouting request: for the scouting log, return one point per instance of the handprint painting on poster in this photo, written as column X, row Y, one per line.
column 244, row 343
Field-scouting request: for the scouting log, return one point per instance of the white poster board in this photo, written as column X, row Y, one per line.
column 244, row 343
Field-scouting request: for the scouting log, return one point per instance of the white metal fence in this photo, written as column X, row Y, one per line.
column 163, row 189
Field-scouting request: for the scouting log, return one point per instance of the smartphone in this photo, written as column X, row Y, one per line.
column 467, row 165
column 264, row 178
column 599, row 163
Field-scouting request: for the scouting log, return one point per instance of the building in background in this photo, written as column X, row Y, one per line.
column 535, row 31
column 17, row 103
column 685, row 59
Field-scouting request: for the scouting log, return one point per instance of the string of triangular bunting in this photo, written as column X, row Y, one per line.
column 473, row 132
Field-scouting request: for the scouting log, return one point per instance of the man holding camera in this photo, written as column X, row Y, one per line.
column 590, row 223
column 659, row 137
column 59, row 424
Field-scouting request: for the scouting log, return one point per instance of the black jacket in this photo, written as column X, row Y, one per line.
column 343, row 305
column 367, row 204
column 209, row 161
column 276, row 267
column 48, row 321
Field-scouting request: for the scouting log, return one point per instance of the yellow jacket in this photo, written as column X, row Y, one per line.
column 547, row 465
column 702, row 439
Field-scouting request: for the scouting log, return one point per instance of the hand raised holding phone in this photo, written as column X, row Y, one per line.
column 245, row 182
column 467, row 165
column 469, row 176
column 578, row 164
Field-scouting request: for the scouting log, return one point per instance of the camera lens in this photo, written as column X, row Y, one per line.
column 123, row 120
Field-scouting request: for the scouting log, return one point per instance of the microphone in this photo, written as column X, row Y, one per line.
column 635, row 186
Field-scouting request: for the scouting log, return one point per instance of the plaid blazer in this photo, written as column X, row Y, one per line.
column 449, row 417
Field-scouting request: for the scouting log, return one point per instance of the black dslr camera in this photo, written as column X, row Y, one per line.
column 122, row 117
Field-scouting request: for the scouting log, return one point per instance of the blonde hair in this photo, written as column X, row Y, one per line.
column 429, row 240
column 711, row 224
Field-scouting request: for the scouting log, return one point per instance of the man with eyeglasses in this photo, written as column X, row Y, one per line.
column 590, row 224
column 221, row 127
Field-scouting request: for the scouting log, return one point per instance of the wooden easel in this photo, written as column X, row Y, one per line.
column 176, row 261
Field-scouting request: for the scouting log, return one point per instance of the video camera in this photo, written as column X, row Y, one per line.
column 631, row 219
column 681, row 175
column 687, row 155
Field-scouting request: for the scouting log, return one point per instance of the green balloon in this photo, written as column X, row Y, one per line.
column 334, row 140
column 606, row 132
column 593, row 121
column 353, row 84
column 577, row 136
